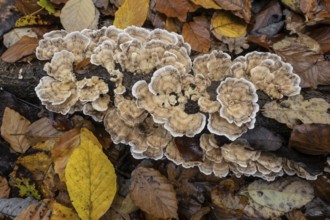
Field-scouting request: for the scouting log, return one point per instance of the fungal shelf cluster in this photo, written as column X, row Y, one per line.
column 168, row 94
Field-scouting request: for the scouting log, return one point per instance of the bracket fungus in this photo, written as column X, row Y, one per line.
column 153, row 92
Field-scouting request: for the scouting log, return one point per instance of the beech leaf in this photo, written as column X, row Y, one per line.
column 132, row 12
column 197, row 36
column 153, row 193
column 173, row 8
column 225, row 24
column 295, row 110
column 276, row 198
column 77, row 15
column 13, row 128
column 25, row 46
column 90, row 178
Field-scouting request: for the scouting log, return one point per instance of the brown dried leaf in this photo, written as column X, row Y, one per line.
column 26, row 7
column 304, row 55
column 311, row 139
column 241, row 8
column 227, row 202
column 63, row 149
column 199, row 215
column 295, row 215
column 41, row 130
column 13, row 129
column 209, row 4
column 153, row 193
column 322, row 36
column 25, row 46
column 173, row 8
column 4, row 188
column 197, row 36
column 322, row 188
column 35, row 211
column 308, row 7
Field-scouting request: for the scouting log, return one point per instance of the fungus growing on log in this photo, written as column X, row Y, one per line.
column 153, row 92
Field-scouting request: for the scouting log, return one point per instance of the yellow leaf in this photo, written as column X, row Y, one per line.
column 206, row 4
column 37, row 163
column 30, row 20
column 225, row 24
column 90, row 178
column 132, row 12
column 13, row 128
column 61, row 212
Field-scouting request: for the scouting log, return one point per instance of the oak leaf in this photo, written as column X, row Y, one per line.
column 132, row 12
column 209, row 4
column 225, row 24
column 241, row 8
column 174, row 8
column 197, row 36
column 13, row 128
column 25, row 46
column 90, row 178
column 153, row 193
